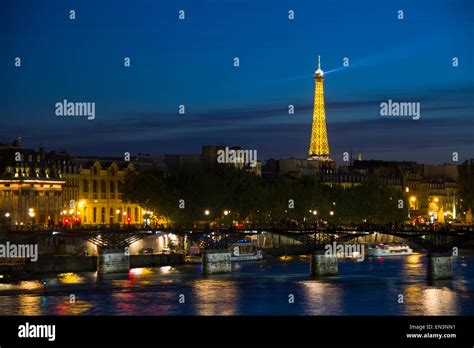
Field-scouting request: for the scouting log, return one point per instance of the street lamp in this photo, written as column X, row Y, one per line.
column 7, row 218
column 31, row 214
column 206, row 212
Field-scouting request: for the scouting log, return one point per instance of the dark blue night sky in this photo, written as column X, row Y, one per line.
column 190, row 62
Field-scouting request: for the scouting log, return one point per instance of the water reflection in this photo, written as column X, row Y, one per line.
column 22, row 285
column 427, row 297
column 66, row 307
column 413, row 265
column 125, row 303
column 29, row 305
column 321, row 298
column 70, row 278
column 254, row 288
column 139, row 272
column 216, row 296
column 439, row 301
column 41, row 304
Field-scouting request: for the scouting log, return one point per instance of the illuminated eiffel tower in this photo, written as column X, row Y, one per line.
column 319, row 146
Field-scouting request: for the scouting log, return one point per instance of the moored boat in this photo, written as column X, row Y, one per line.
column 382, row 250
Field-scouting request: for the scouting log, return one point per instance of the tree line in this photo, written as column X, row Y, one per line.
column 185, row 195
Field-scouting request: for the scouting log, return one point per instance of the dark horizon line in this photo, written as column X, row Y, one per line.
column 104, row 156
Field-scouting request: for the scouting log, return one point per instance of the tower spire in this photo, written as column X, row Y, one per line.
column 319, row 146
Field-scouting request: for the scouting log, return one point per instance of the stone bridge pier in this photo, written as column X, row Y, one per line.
column 113, row 261
column 439, row 266
column 323, row 265
column 216, row 262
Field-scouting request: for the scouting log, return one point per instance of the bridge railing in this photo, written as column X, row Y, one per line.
column 275, row 227
column 52, row 228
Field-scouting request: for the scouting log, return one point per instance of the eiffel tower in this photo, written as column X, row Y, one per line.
column 319, row 146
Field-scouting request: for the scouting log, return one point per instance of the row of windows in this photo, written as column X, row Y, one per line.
column 8, row 193
column 98, row 216
column 344, row 179
column 392, row 181
column 112, row 185
column 72, row 182
column 95, row 171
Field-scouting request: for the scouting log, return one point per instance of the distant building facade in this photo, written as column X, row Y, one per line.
column 30, row 185
column 209, row 156
column 38, row 187
column 432, row 191
column 93, row 192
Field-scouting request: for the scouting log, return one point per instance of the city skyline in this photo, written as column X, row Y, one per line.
column 278, row 163
column 190, row 63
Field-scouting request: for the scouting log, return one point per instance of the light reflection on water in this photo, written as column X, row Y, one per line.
column 317, row 300
column 432, row 297
column 413, row 265
column 439, row 301
column 22, row 285
column 215, row 297
column 28, row 304
column 371, row 287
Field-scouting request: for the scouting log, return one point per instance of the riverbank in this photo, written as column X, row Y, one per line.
column 64, row 264
column 292, row 250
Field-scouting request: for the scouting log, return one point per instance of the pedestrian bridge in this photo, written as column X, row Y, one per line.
column 112, row 240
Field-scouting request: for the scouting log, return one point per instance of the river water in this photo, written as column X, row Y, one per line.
column 281, row 286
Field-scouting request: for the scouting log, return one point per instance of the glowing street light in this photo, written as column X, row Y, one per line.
column 206, row 212
column 331, row 213
column 315, row 212
column 7, row 214
column 226, row 212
